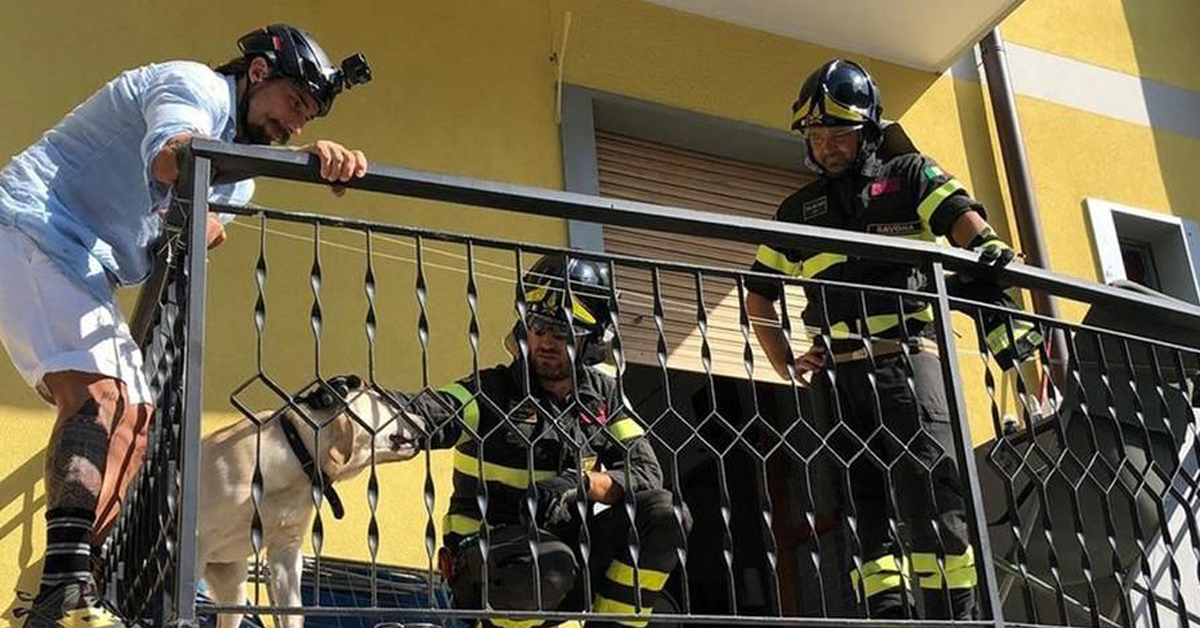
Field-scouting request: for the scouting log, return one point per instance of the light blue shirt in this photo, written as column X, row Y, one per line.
column 84, row 193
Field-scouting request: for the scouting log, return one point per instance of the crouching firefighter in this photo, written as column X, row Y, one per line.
column 888, row 374
column 537, row 442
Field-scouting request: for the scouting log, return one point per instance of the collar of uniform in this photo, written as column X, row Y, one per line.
column 584, row 380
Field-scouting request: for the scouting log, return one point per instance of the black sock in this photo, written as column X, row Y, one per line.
column 68, row 546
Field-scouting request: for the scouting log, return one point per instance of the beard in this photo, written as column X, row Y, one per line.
column 551, row 369
column 253, row 132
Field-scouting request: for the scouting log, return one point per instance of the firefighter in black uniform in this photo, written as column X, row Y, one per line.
column 877, row 342
column 537, row 441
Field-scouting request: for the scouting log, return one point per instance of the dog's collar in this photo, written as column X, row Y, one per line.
column 310, row 467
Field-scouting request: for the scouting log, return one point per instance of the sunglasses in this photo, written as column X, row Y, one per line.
column 542, row 325
column 825, row 134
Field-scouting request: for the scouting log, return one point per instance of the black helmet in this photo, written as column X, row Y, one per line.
column 296, row 55
column 588, row 306
column 839, row 93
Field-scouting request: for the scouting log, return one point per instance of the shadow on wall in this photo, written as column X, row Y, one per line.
column 1164, row 56
column 22, row 493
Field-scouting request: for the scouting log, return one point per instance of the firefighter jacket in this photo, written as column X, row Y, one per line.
column 906, row 196
column 507, row 437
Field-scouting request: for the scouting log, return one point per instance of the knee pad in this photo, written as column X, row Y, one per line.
column 512, row 574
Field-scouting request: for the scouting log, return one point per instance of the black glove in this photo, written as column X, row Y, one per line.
column 993, row 252
column 556, row 500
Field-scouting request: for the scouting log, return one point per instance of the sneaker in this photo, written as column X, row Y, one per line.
column 71, row 605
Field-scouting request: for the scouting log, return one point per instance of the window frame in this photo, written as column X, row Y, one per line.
column 1112, row 222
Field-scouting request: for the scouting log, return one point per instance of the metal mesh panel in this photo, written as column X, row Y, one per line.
column 849, row 493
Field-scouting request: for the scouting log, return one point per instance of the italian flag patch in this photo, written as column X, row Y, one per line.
column 933, row 172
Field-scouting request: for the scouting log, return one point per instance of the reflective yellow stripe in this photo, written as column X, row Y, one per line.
column 460, row 524
column 997, row 339
column 819, row 263
column 775, row 260
column 802, row 113
column 516, row 623
column 470, row 408
column 960, row 570
column 535, row 295
column 538, row 294
column 834, row 108
column 582, row 312
column 625, row 429
column 926, row 562
column 651, row 580
column 881, row 323
column 492, row 472
column 935, row 198
column 606, row 605
column 881, row 574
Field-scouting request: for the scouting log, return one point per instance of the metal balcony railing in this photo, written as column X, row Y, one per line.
column 1081, row 505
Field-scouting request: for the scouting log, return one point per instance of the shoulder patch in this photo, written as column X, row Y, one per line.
column 933, row 172
column 886, row 186
column 816, row 207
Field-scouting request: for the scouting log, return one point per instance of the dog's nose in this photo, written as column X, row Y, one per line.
column 402, row 439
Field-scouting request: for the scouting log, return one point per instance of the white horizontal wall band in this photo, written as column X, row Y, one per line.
column 1094, row 89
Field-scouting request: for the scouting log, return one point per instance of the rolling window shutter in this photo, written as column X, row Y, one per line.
column 641, row 170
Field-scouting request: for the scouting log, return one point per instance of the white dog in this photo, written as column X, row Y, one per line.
column 286, row 507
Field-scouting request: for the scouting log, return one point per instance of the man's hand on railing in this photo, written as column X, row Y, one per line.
column 214, row 232
column 993, row 251
column 338, row 163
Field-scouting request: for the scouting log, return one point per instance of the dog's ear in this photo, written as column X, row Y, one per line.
column 342, row 445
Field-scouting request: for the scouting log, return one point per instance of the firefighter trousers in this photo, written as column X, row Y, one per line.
column 902, row 496
column 513, row 585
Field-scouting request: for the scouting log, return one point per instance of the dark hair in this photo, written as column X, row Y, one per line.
column 235, row 67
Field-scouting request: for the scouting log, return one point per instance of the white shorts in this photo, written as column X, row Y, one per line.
column 50, row 322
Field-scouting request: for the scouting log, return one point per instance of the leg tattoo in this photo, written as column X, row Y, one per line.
column 76, row 459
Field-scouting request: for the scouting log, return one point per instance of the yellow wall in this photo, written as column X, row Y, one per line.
column 468, row 88
column 453, row 92
column 1155, row 40
column 1074, row 154
column 1138, row 173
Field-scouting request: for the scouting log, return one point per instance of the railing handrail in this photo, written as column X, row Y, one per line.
column 239, row 161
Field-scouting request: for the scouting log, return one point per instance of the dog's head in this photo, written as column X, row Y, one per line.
column 350, row 411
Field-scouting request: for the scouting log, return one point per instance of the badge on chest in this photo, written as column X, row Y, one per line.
column 815, row 207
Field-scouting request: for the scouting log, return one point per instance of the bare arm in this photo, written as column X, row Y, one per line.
column 766, row 328
column 165, row 170
column 968, row 225
column 165, row 165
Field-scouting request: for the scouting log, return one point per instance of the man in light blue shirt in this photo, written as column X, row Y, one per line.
column 80, row 211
